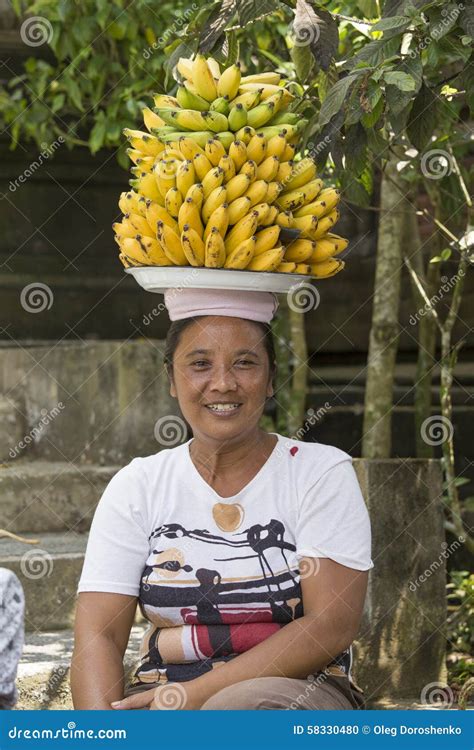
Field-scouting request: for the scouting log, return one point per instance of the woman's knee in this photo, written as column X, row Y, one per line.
column 242, row 696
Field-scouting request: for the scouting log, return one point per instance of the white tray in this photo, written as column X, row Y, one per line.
column 160, row 278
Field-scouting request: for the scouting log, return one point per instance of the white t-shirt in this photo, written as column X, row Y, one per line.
column 217, row 575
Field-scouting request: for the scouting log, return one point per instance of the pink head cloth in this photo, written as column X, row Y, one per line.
column 187, row 303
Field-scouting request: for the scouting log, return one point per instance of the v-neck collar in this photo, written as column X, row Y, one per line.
column 196, row 476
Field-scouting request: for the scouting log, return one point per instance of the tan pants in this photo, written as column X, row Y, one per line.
column 319, row 692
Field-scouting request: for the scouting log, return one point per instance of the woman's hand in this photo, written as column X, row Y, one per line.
column 175, row 696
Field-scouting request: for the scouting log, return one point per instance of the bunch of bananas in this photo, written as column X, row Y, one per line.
column 217, row 183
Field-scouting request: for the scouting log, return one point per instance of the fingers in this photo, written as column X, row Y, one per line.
column 139, row 700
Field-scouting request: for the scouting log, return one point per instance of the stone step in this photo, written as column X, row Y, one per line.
column 49, row 573
column 43, row 671
column 45, row 496
column 12, row 428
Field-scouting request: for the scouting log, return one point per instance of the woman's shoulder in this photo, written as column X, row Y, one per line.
column 309, row 461
column 147, row 466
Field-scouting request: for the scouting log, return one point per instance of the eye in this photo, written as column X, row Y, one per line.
column 199, row 362
column 245, row 362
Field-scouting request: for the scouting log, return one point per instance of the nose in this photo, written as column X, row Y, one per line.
column 223, row 379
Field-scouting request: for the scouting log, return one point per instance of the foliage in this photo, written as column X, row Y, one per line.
column 460, row 631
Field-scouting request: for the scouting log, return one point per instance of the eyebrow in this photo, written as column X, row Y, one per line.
column 209, row 351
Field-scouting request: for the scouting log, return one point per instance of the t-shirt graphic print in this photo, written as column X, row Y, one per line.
column 216, row 576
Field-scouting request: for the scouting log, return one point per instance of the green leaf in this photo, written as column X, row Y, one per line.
column 369, row 119
column 402, row 81
column 303, row 60
column 336, row 97
column 316, row 29
column 446, row 253
column 423, row 117
column 97, row 136
column 216, row 24
column 388, row 24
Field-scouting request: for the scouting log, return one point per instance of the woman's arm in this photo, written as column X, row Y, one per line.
column 102, row 629
column 333, row 597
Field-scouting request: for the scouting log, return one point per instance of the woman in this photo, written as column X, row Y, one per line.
column 247, row 551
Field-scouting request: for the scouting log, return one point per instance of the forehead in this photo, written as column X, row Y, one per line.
column 218, row 332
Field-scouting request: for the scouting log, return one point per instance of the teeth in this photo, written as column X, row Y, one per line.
column 222, row 407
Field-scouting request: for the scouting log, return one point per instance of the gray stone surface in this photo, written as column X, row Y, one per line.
column 100, row 400
column 41, row 496
column 401, row 646
column 12, row 428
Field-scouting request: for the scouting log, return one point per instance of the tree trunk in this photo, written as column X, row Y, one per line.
column 377, row 439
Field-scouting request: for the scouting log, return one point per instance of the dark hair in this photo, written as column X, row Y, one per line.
column 178, row 326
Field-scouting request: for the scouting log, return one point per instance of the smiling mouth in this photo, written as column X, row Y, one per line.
column 218, row 408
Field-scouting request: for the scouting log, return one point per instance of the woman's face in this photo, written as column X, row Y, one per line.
column 221, row 360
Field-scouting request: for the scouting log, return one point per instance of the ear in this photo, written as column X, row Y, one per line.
column 172, row 388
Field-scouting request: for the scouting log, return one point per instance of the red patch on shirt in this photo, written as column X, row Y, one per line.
column 294, row 450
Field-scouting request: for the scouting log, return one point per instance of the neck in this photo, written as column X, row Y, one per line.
column 230, row 456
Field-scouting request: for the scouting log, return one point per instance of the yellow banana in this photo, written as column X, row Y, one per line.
column 156, row 213
column 185, row 68
column 265, row 78
column 146, row 163
column 203, row 79
column 193, row 246
column 132, row 203
column 217, row 198
column 276, row 145
column 202, row 166
column 189, row 214
column 250, row 169
column 173, row 202
column 151, row 120
column 124, row 229
column 245, row 134
column 185, row 176
column 237, row 187
column 146, row 247
column 128, row 262
column 229, row 82
column 284, row 219
column 215, row 254
column 324, row 224
column 144, row 142
column 306, row 224
column 214, row 67
column 241, row 256
column 327, row 268
column 266, row 239
column 248, row 100
column 196, row 194
column 300, row 250
column 303, row 268
column 285, row 267
column 267, row 261
column 189, row 148
column 257, row 148
column 214, row 151
column 257, row 192
column 289, row 152
column 134, row 155
column 325, row 248
column 322, row 206
column 214, row 178
column 263, row 210
column 268, row 168
column 303, row 171
column 165, row 101
column 132, row 249
column 271, row 217
column 238, row 154
column 227, row 164
column 294, row 199
column 238, row 209
column 140, row 224
column 219, row 219
column 146, row 186
column 217, row 122
column 171, row 244
column 244, row 229
column 273, row 191
column 261, row 114
column 284, row 172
